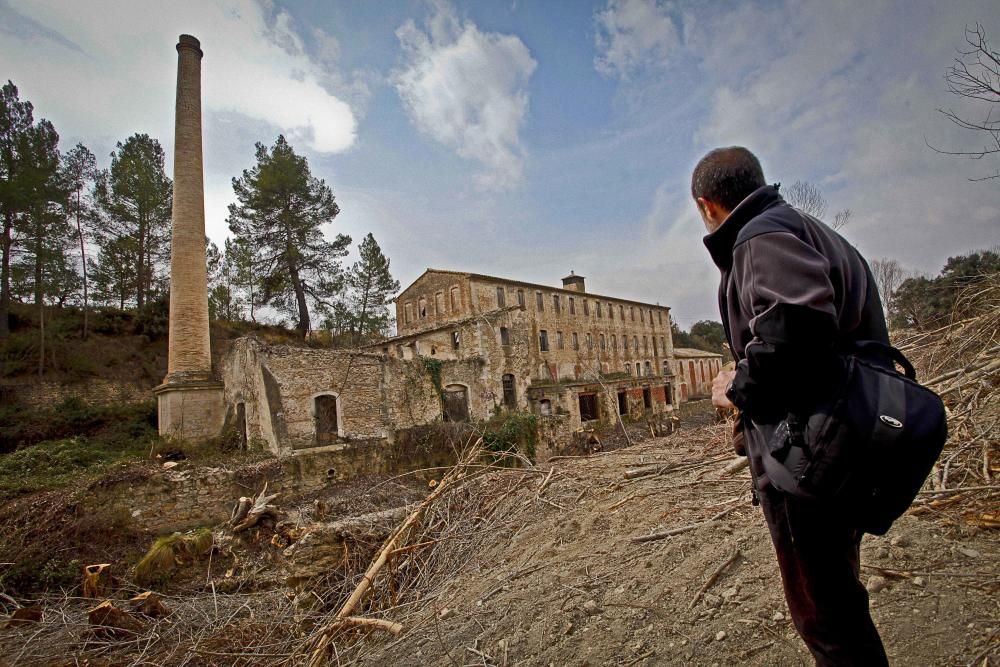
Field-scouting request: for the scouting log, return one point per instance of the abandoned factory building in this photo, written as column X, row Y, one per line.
column 469, row 346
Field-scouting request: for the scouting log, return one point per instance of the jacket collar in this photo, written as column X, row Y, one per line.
column 721, row 242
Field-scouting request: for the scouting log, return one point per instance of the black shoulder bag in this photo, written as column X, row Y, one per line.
column 869, row 448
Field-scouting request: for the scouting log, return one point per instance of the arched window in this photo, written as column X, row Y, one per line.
column 326, row 418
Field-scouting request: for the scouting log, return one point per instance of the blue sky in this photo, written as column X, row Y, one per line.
column 527, row 138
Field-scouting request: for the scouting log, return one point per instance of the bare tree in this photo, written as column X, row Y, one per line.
column 975, row 75
column 841, row 218
column 889, row 275
column 806, row 197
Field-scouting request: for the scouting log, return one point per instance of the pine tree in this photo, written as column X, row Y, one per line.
column 79, row 170
column 134, row 198
column 371, row 289
column 224, row 302
column 113, row 273
column 281, row 208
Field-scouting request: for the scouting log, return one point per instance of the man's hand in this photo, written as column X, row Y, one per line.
column 719, row 387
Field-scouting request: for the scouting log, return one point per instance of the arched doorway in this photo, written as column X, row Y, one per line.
column 456, row 403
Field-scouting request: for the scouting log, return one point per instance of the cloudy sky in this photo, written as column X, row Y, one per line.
column 526, row 138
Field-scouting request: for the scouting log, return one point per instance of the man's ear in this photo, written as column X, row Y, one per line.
column 706, row 207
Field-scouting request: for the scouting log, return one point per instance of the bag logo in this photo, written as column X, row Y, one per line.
column 891, row 421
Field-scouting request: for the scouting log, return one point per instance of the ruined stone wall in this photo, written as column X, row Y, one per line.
column 436, row 288
column 45, row 395
column 697, row 383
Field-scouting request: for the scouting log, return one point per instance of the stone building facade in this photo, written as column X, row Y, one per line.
column 694, row 370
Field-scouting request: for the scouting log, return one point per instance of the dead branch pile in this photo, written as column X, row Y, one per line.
column 961, row 361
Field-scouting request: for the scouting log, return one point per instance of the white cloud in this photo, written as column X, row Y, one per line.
column 110, row 70
column 467, row 89
column 633, row 35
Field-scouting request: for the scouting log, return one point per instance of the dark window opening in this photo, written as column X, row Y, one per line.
column 572, row 306
column 456, row 339
column 590, row 342
column 638, row 369
column 599, row 309
column 611, row 312
column 456, row 403
column 545, row 407
column 666, row 393
column 602, row 342
column 422, row 307
column 588, row 407
column 556, row 305
column 649, row 368
column 622, row 403
column 325, row 408
column 543, row 340
column 504, row 336
column 539, row 302
column 520, row 298
column 647, row 398
column 621, row 312
column 576, row 341
column 501, row 298
column 641, row 317
column 586, row 307
column 509, row 395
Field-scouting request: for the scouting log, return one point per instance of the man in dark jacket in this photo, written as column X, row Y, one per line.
column 792, row 292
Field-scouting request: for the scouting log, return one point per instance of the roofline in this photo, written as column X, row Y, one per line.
column 482, row 276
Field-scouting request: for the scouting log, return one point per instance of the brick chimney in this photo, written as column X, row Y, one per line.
column 574, row 282
column 190, row 400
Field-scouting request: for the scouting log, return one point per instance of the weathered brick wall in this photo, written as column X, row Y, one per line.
column 42, row 395
column 430, row 286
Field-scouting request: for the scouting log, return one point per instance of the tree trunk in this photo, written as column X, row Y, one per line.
column 39, row 290
column 83, row 261
column 300, row 300
column 8, row 223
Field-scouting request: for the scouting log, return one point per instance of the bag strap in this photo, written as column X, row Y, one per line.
column 888, row 351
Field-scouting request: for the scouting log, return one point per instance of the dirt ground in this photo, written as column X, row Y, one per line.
column 560, row 582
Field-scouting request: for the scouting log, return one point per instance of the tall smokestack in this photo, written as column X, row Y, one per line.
column 190, row 400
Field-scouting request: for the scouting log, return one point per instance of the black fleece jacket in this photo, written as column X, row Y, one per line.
column 793, row 292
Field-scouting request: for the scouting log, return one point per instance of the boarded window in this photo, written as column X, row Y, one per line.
column 622, row 403
column 572, row 306
column 586, row 307
column 501, row 298
column 556, row 304
column 539, row 302
column 588, row 407
column 590, row 342
column 520, row 298
column 456, row 403
column 504, row 336
column 439, row 303
column 559, row 341
column 647, row 398
column 408, row 313
column 509, row 393
column 543, row 340
column 545, row 407
column 325, row 410
column 454, row 300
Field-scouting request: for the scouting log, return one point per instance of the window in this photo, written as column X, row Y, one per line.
column 622, row 403
column 649, row 369
column 666, row 368
column 635, row 344
column 408, row 312
column 621, row 312
column 663, row 345
column 576, row 341
column 504, row 336
column 590, row 342
column 641, row 318
column 456, row 339
column 559, row 341
column 520, row 298
column 638, row 369
column 325, row 415
column 647, row 398
column 602, row 342
column 588, row 407
column 454, row 299
column 422, row 307
column 572, row 306
column 666, row 394
column 501, row 298
column 611, row 312
column 599, row 310
column 659, row 317
column 625, row 342
column 631, row 312
column 543, row 340
column 456, row 403
column 645, row 345
column 586, row 308
column 628, row 368
column 556, row 305
column 439, row 303
column 539, row 302
column 545, row 407
column 650, row 317
column 509, row 395
column 656, row 350
column 614, row 341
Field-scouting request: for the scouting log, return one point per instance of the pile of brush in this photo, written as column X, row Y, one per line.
column 960, row 362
